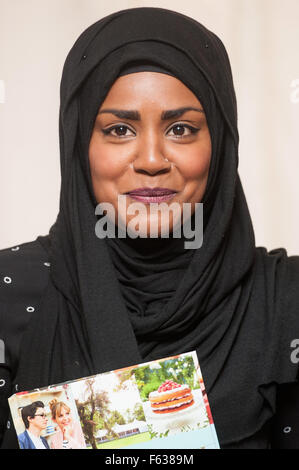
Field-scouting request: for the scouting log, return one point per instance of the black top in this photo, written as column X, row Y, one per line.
column 24, row 274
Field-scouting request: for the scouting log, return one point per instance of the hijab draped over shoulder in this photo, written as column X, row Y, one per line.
column 226, row 299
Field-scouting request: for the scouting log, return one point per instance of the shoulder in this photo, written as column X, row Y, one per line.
column 20, row 265
column 293, row 275
column 286, row 275
column 23, row 439
column 281, row 274
column 24, row 270
column 280, row 267
column 22, row 436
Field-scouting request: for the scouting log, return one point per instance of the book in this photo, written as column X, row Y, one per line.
column 161, row 404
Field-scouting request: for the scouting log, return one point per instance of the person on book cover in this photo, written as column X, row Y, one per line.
column 69, row 434
column 35, row 421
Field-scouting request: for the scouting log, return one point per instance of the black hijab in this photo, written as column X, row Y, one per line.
column 223, row 300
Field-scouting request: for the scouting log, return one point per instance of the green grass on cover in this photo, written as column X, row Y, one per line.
column 125, row 441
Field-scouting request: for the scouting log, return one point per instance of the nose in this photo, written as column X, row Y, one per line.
column 150, row 158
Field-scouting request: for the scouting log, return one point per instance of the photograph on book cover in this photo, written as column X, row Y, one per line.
column 47, row 418
column 158, row 404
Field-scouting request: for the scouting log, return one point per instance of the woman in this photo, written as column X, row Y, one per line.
column 105, row 303
column 69, row 434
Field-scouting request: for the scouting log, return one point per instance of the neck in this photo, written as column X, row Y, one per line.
column 34, row 430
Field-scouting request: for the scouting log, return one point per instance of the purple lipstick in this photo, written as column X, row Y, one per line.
column 148, row 195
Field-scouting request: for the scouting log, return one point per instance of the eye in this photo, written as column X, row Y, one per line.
column 119, row 130
column 182, row 130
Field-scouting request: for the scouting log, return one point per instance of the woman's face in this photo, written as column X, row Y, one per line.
column 63, row 418
column 150, row 132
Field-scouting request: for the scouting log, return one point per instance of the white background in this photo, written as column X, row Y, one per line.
column 262, row 40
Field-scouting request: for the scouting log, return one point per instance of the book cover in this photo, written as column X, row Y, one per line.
column 160, row 404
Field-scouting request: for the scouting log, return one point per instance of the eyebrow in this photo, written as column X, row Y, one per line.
column 135, row 115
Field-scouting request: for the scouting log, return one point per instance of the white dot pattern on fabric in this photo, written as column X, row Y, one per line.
column 30, row 309
column 2, row 382
column 47, row 264
column 287, row 429
column 7, row 279
column 16, row 248
column 8, row 424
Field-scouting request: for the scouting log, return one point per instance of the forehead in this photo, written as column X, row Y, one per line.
column 62, row 409
column 149, row 88
column 39, row 410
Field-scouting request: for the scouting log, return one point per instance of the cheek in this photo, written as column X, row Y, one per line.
column 105, row 162
column 107, row 167
column 101, row 166
column 195, row 164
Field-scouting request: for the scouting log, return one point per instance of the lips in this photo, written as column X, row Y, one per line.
column 151, row 192
column 152, row 195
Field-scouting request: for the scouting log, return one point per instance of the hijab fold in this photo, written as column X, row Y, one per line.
column 112, row 303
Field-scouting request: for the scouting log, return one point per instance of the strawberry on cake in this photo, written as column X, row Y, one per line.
column 171, row 397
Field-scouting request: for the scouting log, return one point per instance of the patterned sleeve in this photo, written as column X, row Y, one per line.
column 24, row 273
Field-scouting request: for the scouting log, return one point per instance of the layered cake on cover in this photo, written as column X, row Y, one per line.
column 170, row 398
